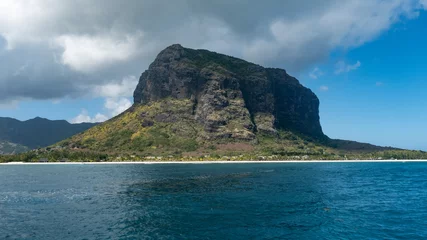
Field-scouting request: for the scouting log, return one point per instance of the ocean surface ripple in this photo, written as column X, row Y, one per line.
column 215, row 201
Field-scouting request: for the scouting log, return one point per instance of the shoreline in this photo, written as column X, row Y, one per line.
column 210, row 162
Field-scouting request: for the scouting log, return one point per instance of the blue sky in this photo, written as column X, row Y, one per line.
column 384, row 100
column 363, row 59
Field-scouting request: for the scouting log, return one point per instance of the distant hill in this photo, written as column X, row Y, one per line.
column 11, row 148
column 35, row 133
column 347, row 145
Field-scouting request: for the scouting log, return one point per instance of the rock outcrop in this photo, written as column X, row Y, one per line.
column 231, row 98
column 200, row 104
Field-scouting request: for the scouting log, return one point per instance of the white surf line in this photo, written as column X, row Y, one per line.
column 213, row 162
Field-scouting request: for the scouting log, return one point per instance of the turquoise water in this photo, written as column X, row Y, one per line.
column 215, row 201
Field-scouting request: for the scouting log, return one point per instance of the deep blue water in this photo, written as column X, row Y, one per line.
column 215, row 201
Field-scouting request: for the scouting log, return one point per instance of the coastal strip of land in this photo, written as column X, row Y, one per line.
column 211, row 162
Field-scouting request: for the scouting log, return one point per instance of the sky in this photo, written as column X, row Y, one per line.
column 80, row 60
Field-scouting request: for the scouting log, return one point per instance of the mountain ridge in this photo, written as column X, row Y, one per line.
column 37, row 132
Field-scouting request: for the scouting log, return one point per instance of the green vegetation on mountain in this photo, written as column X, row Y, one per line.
column 153, row 130
column 11, row 148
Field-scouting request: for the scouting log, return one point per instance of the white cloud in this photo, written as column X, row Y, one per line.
column 21, row 21
column 56, row 101
column 89, row 53
column 115, row 106
column 315, row 73
column 116, row 100
column 20, row 70
column 344, row 24
column 75, row 46
column 84, row 117
column 342, row 67
column 124, row 88
column 324, row 88
column 13, row 104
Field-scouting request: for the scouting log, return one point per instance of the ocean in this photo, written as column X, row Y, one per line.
column 215, row 201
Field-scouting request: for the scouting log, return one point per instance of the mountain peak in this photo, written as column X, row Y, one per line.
column 175, row 46
column 198, row 102
column 38, row 119
column 264, row 99
column 171, row 53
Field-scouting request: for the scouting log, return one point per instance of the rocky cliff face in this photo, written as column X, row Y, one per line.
column 230, row 98
column 201, row 104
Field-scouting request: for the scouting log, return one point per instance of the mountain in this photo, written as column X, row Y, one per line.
column 35, row 133
column 196, row 102
column 230, row 96
column 11, row 148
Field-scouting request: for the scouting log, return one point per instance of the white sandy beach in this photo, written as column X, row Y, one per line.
column 213, row 162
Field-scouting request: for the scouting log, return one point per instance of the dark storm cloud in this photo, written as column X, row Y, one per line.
column 52, row 49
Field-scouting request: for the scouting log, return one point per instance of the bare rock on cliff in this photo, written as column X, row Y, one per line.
column 231, row 98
